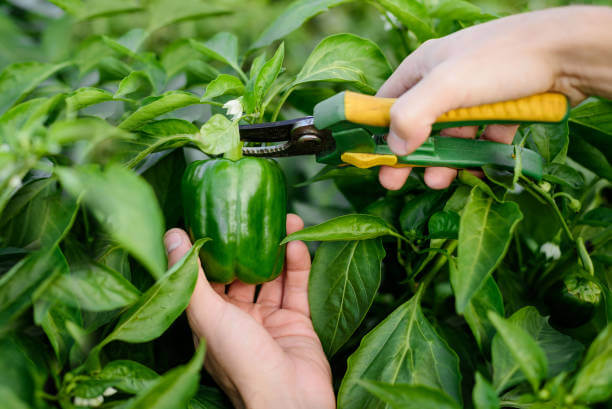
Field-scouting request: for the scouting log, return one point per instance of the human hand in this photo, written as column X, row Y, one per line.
column 563, row 50
column 263, row 353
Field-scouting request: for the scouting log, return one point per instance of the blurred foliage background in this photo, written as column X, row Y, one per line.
column 37, row 30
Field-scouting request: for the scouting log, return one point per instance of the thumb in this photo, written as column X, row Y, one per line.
column 204, row 299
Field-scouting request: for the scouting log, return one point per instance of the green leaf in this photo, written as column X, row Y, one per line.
column 347, row 227
column 168, row 127
column 589, row 156
column 128, row 376
column 175, row 388
column 222, row 47
column 344, row 278
column 500, row 177
column 224, row 84
column 292, row 18
column 594, row 380
column 24, row 196
column 84, row 97
column 42, row 221
column 181, row 56
column 268, row 74
column 19, row 374
column 19, row 79
column 562, row 352
column 539, row 223
column 28, row 115
column 162, row 177
column 52, row 316
column 125, row 206
column 346, row 58
column 549, row 140
column 94, row 288
column 89, row 128
column 596, row 115
column 487, row 298
column 90, row 9
column 449, row 10
column 136, row 85
column 133, row 39
column 413, row 15
column 600, row 216
column 485, row 232
column 522, row 347
column 416, row 212
column 218, row 135
column 403, row 396
column 208, row 397
column 168, row 102
column 564, row 175
column 18, row 287
column 90, row 388
column 403, row 348
column 161, row 304
column 484, row 395
column 444, row 225
column 10, row 400
column 165, row 12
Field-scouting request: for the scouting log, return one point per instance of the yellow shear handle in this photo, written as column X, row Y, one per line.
column 547, row 107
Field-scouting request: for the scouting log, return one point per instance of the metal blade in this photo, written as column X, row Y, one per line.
column 269, row 131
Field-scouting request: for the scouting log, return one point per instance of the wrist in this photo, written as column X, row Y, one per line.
column 582, row 51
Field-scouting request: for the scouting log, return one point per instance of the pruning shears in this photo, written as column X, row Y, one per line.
column 349, row 129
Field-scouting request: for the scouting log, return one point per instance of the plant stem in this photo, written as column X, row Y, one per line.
column 281, row 103
column 519, row 250
column 442, row 258
column 47, row 396
column 532, row 188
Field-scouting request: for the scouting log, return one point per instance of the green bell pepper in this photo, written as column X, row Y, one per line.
column 242, row 206
column 573, row 300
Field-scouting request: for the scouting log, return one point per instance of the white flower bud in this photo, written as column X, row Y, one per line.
column 14, row 182
column 78, row 401
column 95, row 402
column 110, row 391
column 550, row 250
column 234, row 109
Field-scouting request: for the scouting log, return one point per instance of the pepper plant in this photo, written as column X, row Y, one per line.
column 495, row 292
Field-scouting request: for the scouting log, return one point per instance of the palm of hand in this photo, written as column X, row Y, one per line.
column 263, row 352
column 280, row 345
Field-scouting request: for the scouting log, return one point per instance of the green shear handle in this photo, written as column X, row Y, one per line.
column 355, row 146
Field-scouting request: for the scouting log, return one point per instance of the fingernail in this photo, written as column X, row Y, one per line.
column 172, row 241
column 397, row 144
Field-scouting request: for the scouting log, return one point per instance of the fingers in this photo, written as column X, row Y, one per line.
column 405, row 76
column 393, row 178
column 271, row 293
column 297, row 270
column 439, row 178
column 500, row 133
column 204, row 300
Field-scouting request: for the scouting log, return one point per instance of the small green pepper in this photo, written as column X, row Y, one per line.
column 241, row 206
column 573, row 300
